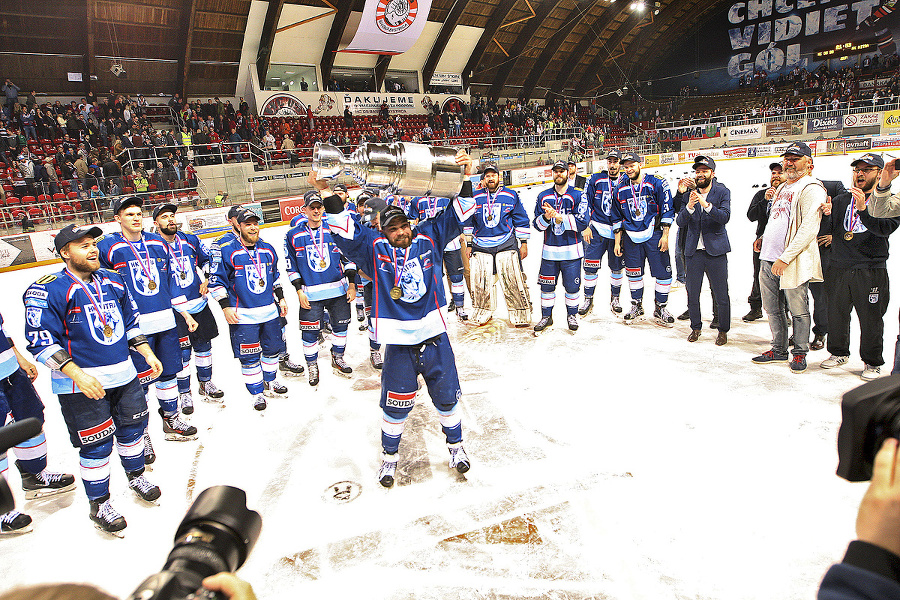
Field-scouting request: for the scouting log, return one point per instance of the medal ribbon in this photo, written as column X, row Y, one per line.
column 257, row 264
column 180, row 256
column 490, row 201
column 90, row 295
column 320, row 245
column 854, row 215
column 398, row 273
column 144, row 268
column 635, row 196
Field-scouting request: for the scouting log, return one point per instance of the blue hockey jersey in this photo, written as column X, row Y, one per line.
column 62, row 312
column 428, row 207
column 9, row 364
column 562, row 241
column 315, row 262
column 640, row 208
column 188, row 253
column 599, row 192
column 247, row 277
column 497, row 218
column 417, row 315
column 146, row 267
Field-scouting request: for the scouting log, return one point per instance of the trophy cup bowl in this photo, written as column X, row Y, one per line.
column 400, row 167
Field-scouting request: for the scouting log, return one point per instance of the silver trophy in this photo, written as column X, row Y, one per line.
column 401, row 167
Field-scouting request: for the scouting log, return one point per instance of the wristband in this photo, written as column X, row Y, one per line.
column 58, row 360
column 279, row 293
column 137, row 341
column 224, row 303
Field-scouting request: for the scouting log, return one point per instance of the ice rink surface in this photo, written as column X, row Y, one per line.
column 613, row 463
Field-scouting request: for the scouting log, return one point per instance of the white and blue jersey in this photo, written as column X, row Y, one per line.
column 314, row 262
column 498, row 217
column 428, row 207
column 562, row 241
column 600, row 191
column 9, row 364
column 63, row 312
column 247, row 278
column 641, row 208
column 146, row 267
column 188, row 253
column 417, row 271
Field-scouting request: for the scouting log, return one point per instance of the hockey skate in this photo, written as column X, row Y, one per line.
column 149, row 453
column 274, row 388
column 459, row 460
column 451, row 305
column 542, row 325
column 175, row 429
column 662, row 316
column 312, row 369
column 461, row 314
column 615, row 306
column 105, row 517
column 259, row 402
column 186, row 402
column 387, row 470
column 587, row 306
column 45, row 483
column 375, row 359
column 289, row 368
column 144, row 490
column 572, row 322
column 210, row 393
column 340, row 366
column 635, row 314
column 360, row 312
column 14, row 522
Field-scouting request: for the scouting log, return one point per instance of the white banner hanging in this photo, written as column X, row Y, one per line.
column 386, row 27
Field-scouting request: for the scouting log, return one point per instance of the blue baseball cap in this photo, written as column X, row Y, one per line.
column 704, row 161
column 797, row 149
column 630, row 157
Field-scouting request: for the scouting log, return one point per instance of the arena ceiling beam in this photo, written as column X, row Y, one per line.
column 522, row 40
column 549, row 51
column 496, row 20
column 590, row 37
column 334, row 37
column 188, row 17
column 381, row 67
column 267, row 39
column 608, row 48
column 440, row 43
column 88, row 60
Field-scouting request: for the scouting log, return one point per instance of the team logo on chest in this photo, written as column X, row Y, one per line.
column 256, row 281
column 184, row 272
column 412, row 281
column 491, row 214
column 318, row 259
column 110, row 321
column 145, row 276
column 606, row 203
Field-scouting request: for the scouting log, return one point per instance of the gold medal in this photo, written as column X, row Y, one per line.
column 151, row 286
column 396, row 292
column 183, row 275
column 848, row 236
column 322, row 263
column 108, row 331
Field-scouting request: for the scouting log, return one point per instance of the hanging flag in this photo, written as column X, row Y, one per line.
column 385, row 27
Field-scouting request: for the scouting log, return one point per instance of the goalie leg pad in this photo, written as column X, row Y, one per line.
column 518, row 300
column 481, row 266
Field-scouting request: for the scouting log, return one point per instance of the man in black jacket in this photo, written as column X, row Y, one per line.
column 857, row 278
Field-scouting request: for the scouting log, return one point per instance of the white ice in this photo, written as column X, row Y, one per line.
column 617, row 462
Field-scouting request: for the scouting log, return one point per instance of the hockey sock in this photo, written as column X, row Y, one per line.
column 130, row 445
column 458, row 290
column 590, row 278
column 451, row 423
column 636, row 284
column 310, row 339
column 269, row 367
column 373, row 345
column 548, row 299
column 283, row 338
column 391, row 431
column 32, row 454
column 615, row 283
column 184, row 375
column 253, row 377
column 571, row 303
column 359, row 296
column 662, row 290
column 94, row 460
column 339, row 342
column 203, row 361
column 167, row 395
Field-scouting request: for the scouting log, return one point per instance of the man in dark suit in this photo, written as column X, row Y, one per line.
column 703, row 215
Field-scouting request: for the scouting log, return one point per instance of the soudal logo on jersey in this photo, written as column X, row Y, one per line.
column 145, row 377
column 395, row 16
column 309, row 325
column 401, row 399
column 97, row 433
column 251, row 348
column 184, row 342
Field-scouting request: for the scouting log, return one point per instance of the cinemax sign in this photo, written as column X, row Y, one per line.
column 745, row 132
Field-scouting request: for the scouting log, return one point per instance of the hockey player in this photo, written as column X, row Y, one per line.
column 599, row 238
column 321, row 276
column 244, row 281
column 19, row 401
column 427, row 207
column 499, row 232
column 561, row 212
column 642, row 207
column 189, row 255
column 405, row 266
column 83, row 326
column 144, row 262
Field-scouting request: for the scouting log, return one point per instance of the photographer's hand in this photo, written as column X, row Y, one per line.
column 878, row 521
column 230, row 585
